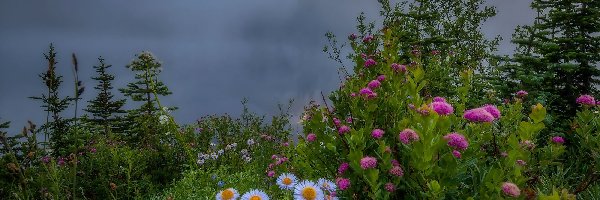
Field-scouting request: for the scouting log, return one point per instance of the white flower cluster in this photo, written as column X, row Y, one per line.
column 203, row 157
column 246, row 155
column 250, row 142
column 163, row 119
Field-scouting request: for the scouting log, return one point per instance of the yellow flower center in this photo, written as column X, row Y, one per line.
column 255, row 197
column 227, row 194
column 309, row 193
column 287, row 181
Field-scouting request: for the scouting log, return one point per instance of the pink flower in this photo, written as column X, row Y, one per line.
column 521, row 162
column 510, row 189
column 407, row 136
column 352, row 36
column 343, row 183
column 343, row 167
column 336, row 122
column 439, row 99
column 395, row 162
column 285, row 144
column 46, row 159
column 311, row 137
column 343, row 130
column 349, row 120
column 456, row 154
column 457, row 141
column 370, row 62
column 381, row 78
column 374, row 84
column 586, row 100
column 521, row 93
column 353, row 94
column 271, row 173
column 527, row 144
column 442, row 108
column 93, row 150
column 368, row 162
column 492, row 110
column 274, row 157
column 366, row 91
column 390, row 187
column 398, row 68
column 368, row 38
column 558, row 140
column 61, row 161
column 397, row 171
column 478, row 115
column 377, row 133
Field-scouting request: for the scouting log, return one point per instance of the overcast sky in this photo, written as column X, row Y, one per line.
column 214, row 53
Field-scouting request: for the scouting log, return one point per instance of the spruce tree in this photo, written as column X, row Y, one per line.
column 56, row 128
column 557, row 57
column 146, row 89
column 104, row 108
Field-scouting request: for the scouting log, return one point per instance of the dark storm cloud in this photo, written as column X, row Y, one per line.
column 214, row 52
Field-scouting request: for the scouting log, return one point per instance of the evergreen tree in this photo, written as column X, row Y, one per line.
column 56, row 130
column 556, row 57
column 143, row 121
column 103, row 107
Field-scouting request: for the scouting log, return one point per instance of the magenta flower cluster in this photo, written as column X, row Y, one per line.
column 368, row 162
column 377, row 133
column 370, row 62
column 343, row 183
column 343, row 130
column 587, row 100
column 510, row 189
column 441, row 107
column 368, row 93
column 343, row 168
column 397, row 171
column 558, row 140
column 457, row 141
column 398, row 68
column 521, row 93
column 374, row 84
column 487, row 113
column 407, row 136
column 311, row 137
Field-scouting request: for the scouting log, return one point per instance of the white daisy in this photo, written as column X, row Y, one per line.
column 308, row 190
column 228, row 194
column 250, row 142
column 287, row 181
column 255, row 195
column 327, row 185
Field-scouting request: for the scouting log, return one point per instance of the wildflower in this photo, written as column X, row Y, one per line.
column 343, row 183
column 311, row 137
column 214, row 156
column 250, row 142
column 327, row 185
column 521, row 93
column 343, row 130
column 46, row 159
column 456, row 154
column 352, row 36
column 439, row 99
column 200, row 161
column 397, row 171
column 308, row 190
column 93, row 150
column 366, row 91
column 586, row 100
column 377, row 133
column 457, row 141
column 220, row 183
column 510, row 189
column 271, row 173
column 528, row 144
column 343, row 167
column 442, row 108
column 395, row 162
column 521, row 162
column 398, row 68
column 558, row 140
column 285, row 144
column 352, row 94
column 390, row 187
column 374, row 84
column 163, row 119
column 492, row 110
column 244, row 151
column 368, row 38
column 435, row 52
column 220, row 152
column 407, row 136
column 286, row 181
column 255, row 195
column 336, row 122
column 381, row 78
column 478, row 115
column 274, row 157
column 349, row 120
column 227, row 194
column 370, row 62
column 368, row 162
column 61, row 161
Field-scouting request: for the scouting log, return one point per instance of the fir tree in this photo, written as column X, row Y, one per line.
column 56, row 128
column 556, row 57
column 142, row 122
column 104, row 107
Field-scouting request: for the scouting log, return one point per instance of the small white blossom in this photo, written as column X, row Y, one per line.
column 220, row 152
column 200, row 161
column 163, row 119
column 250, row 142
column 214, row 156
column 244, row 151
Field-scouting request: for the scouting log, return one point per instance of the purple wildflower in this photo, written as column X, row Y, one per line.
column 478, row 115
column 586, row 100
column 442, row 108
column 457, row 141
column 377, row 133
column 407, row 136
column 368, row 162
column 374, row 84
column 370, row 62
column 558, row 140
